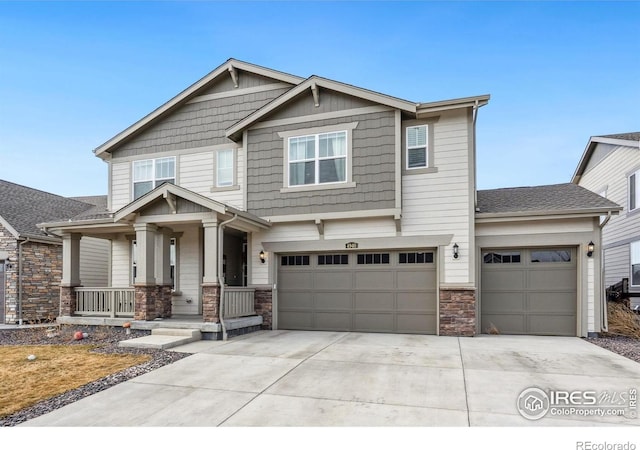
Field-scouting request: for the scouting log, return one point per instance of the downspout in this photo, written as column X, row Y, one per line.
column 605, row 318
column 20, row 279
column 221, row 274
column 476, row 107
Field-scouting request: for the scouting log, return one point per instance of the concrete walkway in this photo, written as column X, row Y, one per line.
column 294, row 378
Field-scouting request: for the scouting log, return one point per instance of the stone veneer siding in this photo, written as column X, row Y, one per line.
column 457, row 312
column 211, row 302
column 41, row 275
column 67, row 300
column 264, row 306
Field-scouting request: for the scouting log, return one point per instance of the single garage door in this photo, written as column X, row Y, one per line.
column 529, row 291
column 382, row 291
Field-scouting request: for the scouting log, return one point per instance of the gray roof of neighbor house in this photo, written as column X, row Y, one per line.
column 634, row 136
column 22, row 208
column 99, row 207
column 552, row 199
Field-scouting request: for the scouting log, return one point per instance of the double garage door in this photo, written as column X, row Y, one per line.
column 529, row 291
column 379, row 291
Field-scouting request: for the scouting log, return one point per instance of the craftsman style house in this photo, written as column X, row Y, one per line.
column 610, row 166
column 317, row 205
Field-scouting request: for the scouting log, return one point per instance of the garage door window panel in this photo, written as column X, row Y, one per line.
column 373, row 258
column 415, row 258
column 295, row 260
column 551, row 256
column 327, row 260
column 501, row 257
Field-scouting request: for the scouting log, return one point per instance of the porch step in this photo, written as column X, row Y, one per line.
column 163, row 338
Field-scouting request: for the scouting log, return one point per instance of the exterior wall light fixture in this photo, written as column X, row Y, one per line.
column 263, row 257
column 590, row 248
column 455, row 251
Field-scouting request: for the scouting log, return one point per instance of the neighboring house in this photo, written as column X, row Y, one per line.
column 31, row 260
column 318, row 205
column 610, row 166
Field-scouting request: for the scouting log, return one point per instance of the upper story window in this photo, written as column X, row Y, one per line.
column 151, row 173
column 417, row 147
column 318, row 159
column 634, row 190
column 224, row 167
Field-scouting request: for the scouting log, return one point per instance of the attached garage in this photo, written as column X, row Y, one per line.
column 373, row 291
column 529, row 291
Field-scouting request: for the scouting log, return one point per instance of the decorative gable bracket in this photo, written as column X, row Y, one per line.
column 315, row 90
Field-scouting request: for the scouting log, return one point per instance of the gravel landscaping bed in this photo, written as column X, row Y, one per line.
column 622, row 345
column 106, row 341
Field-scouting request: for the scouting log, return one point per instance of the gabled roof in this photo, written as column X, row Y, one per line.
column 313, row 82
column 189, row 93
column 626, row 139
column 167, row 190
column 22, row 208
column 555, row 199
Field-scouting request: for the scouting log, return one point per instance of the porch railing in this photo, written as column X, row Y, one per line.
column 238, row 302
column 105, row 302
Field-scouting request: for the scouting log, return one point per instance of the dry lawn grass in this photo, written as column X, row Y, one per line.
column 57, row 369
column 622, row 320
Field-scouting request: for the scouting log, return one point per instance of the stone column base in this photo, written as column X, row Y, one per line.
column 457, row 312
column 145, row 302
column 263, row 304
column 211, row 302
column 67, row 300
column 163, row 301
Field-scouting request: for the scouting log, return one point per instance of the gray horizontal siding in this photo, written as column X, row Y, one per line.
column 616, row 264
column 373, row 170
column 195, row 125
column 330, row 101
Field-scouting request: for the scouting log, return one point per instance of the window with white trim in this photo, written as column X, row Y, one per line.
column 151, row 173
column 634, row 190
column 635, row 263
column 318, row 159
column 224, row 167
column 417, row 147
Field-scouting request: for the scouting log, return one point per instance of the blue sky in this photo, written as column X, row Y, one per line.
column 72, row 75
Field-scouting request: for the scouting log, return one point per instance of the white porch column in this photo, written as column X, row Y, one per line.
column 146, row 246
column 71, row 259
column 210, row 251
column 163, row 261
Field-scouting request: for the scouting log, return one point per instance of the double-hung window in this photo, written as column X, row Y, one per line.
column 224, row 167
column 634, row 190
column 635, row 263
column 417, row 147
column 318, row 159
column 151, row 173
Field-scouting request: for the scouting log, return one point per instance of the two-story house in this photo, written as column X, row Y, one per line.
column 318, row 205
column 610, row 166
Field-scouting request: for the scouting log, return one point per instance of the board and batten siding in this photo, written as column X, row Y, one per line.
column 373, row 168
column 612, row 172
column 440, row 202
column 120, row 184
column 94, row 261
column 120, row 263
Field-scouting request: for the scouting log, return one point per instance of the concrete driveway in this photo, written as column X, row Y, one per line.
column 295, row 378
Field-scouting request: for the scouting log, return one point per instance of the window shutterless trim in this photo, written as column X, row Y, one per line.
column 154, row 180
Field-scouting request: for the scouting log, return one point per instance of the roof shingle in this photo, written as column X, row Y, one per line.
column 634, row 136
column 24, row 207
column 567, row 197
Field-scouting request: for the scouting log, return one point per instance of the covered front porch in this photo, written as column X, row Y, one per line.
column 177, row 257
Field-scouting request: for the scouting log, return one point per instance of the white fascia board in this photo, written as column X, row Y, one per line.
column 444, row 105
